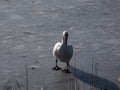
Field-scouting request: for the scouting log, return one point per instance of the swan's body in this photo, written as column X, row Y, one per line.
column 62, row 51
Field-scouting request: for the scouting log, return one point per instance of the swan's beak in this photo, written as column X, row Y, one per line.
column 65, row 37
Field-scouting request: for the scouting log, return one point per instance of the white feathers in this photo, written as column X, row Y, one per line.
column 62, row 51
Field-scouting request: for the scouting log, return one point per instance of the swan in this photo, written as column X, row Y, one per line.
column 63, row 52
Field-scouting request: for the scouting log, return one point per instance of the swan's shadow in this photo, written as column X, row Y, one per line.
column 93, row 80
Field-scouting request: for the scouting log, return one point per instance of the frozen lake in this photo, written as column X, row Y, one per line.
column 30, row 28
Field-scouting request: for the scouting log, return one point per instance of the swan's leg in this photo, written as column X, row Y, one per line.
column 56, row 67
column 67, row 69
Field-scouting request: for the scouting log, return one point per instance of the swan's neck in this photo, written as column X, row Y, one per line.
column 64, row 41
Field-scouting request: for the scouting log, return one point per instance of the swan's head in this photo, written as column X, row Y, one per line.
column 65, row 37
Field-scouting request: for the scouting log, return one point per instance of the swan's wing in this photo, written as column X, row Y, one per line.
column 70, row 51
column 65, row 53
column 56, row 48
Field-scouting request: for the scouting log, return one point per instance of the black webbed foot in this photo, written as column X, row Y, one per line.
column 66, row 71
column 56, row 68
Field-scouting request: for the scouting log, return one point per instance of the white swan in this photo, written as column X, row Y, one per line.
column 63, row 52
